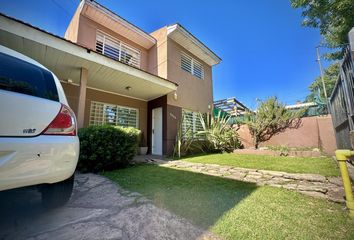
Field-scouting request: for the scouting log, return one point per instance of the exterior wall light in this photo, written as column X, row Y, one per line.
column 175, row 96
column 128, row 88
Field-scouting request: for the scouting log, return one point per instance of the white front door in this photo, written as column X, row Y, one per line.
column 156, row 146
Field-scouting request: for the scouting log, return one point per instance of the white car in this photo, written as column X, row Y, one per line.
column 38, row 132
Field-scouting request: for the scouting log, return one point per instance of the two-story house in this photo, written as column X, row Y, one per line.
column 115, row 73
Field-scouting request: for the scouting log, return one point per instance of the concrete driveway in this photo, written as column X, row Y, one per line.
column 98, row 209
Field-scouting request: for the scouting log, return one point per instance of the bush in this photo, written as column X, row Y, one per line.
column 271, row 118
column 106, row 147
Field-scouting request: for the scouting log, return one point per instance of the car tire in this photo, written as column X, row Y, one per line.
column 57, row 194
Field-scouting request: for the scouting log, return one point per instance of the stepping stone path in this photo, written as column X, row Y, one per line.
column 315, row 185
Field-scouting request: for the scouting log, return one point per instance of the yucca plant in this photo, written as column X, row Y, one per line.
column 186, row 143
column 218, row 134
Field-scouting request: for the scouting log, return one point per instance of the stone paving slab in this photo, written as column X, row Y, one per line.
column 314, row 185
column 98, row 209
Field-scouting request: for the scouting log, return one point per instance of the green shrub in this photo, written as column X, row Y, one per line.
column 106, row 147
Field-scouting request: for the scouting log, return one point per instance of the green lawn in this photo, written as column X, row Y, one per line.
column 321, row 165
column 237, row 210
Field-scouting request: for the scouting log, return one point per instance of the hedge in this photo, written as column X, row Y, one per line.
column 106, row 147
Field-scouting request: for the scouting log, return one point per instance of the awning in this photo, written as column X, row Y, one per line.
column 66, row 59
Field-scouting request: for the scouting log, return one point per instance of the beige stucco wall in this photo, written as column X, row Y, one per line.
column 72, row 30
column 72, row 93
column 158, row 54
column 193, row 93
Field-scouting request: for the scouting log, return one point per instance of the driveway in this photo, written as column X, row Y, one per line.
column 98, row 209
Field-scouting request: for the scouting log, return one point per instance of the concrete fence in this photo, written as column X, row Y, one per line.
column 314, row 132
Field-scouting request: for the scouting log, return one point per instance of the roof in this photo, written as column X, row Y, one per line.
column 81, row 46
column 175, row 31
column 186, row 39
column 301, row 105
column 102, row 15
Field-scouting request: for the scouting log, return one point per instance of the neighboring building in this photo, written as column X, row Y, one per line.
column 115, row 73
column 232, row 106
column 312, row 108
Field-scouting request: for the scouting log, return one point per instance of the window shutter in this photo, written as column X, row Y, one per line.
column 198, row 69
column 192, row 66
column 186, row 62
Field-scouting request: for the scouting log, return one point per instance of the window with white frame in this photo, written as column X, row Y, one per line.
column 191, row 122
column 104, row 113
column 192, row 66
column 116, row 49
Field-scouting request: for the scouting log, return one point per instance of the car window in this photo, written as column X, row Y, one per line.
column 22, row 77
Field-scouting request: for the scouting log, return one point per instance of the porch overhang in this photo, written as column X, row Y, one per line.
column 66, row 59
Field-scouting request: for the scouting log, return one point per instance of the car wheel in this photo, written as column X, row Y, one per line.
column 57, row 194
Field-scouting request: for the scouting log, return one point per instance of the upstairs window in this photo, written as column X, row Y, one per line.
column 117, row 50
column 192, row 66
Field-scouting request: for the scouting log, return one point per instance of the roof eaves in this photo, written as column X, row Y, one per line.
column 103, row 8
column 196, row 40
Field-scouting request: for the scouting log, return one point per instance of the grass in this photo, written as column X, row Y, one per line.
column 320, row 165
column 237, row 210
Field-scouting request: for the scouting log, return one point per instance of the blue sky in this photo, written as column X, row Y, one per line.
column 264, row 49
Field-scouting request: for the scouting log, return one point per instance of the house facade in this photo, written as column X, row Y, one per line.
column 115, row 73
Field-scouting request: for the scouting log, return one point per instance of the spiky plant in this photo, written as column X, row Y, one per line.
column 218, row 134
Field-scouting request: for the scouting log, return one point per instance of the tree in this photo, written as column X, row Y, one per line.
column 334, row 18
column 271, row 118
column 330, row 77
